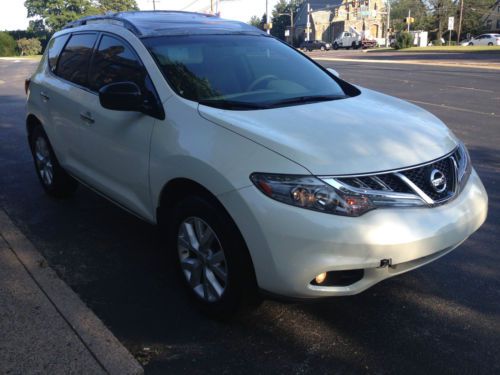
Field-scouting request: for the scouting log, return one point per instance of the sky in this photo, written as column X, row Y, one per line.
column 13, row 13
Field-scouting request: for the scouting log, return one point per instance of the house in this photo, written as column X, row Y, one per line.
column 492, row 19
column 329, row 18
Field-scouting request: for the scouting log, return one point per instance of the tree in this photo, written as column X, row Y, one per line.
column 442, row 9
column 419, row 11
column 255, row 21
column 57, row 13
column 281, row 17
column 116, row 5
column 7, row 44
column 474, row 10
column 29, row 47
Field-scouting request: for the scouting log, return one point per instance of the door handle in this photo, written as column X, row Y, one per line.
column 87, row 117
column 44, row 96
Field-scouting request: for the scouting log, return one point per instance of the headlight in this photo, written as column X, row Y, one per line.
column 464, row 166
column 328, row 196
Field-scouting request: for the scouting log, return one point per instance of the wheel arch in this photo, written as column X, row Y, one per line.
column 31, row 122
column 177, row 189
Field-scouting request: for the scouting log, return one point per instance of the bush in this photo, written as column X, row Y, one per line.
column 30, row 46
column 7, row 44
column 404, row 40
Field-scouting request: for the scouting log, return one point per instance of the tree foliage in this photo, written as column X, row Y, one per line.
column 7, row 44
column 117, row 5
column 255, row 21
column 404, row 40
column 29, row 47
column 432, row 15
column 54, row 14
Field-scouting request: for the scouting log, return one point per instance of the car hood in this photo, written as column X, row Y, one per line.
column 368, row 133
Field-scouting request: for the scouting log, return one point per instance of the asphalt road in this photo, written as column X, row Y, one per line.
column 442, row 318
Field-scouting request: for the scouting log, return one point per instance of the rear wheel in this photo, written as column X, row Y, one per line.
column 212, row 259
column 490, row 44
column 471, row 44
column 54, row 179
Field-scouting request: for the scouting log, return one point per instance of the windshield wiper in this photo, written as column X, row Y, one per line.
column 307, row 99
column 230, row 104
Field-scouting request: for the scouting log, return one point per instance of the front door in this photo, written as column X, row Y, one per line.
column 115, row 144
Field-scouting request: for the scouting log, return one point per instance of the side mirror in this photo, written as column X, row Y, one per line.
column 334, row 72
column 122, row 96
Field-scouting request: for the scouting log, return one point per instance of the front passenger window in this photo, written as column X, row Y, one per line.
column 114, row 61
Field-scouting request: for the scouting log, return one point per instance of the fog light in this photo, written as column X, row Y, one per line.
column 320, row 278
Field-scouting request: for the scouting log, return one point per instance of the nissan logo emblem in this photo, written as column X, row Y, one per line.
column 438, row 180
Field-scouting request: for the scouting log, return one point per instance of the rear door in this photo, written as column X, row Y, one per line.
column 115, row 144
column 67, row 89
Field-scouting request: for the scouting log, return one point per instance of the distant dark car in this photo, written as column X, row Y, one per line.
column 311, row 45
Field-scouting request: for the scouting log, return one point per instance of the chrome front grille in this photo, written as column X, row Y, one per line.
column 435, row 182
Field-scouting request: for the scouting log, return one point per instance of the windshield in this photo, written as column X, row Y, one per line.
column 241, row 71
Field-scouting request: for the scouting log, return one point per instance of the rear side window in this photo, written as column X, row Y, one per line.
column 54, row 50
column 74, row 60
column 114, row 61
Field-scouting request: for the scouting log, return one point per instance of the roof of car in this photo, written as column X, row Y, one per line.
column 152, row 23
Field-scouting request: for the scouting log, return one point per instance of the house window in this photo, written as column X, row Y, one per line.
column 498, row 24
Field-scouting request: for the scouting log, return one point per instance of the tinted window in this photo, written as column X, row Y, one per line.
column 114, row 61
column 74, row 61
column 246, row 70
column 54, row 50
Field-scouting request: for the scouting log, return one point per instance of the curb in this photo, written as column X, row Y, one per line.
column 412, row 62
column 110, row 354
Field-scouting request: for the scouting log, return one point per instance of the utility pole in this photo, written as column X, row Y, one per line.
column 460, row 21
column 211, row 6
column 388, row 11
column 154, row 5
column 308, row 25
column 291, row 26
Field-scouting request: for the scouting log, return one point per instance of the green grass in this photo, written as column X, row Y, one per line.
column 452, row 49
column 31, row 57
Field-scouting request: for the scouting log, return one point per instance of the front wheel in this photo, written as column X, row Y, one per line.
column 471, row 44
column 490, row 44
column 335, row 46
column 54, row 179
column 211, row 256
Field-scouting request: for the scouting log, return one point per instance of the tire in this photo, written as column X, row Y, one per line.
column 335, row 46
column 490, row 44
column 54, row 179
column 354, row 45
column 304, row 49
column 471, row 44
column 224, row 282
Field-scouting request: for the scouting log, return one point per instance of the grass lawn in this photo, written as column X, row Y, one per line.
column 453, row 49
column 32, row 57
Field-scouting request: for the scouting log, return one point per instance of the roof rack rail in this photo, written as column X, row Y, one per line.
column 108, row 18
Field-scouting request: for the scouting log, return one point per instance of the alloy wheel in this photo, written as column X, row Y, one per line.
column 43, row 160
column 202, row 259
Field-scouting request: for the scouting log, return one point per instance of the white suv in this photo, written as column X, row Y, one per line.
column 265, row 171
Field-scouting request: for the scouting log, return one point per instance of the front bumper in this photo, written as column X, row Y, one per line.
column 290, row 246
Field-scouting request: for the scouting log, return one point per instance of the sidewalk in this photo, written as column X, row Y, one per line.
column 44, row 326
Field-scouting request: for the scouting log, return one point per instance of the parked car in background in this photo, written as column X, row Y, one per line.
column 311, row 45
column 353, row 39
column 264, row 170
column 485, row 40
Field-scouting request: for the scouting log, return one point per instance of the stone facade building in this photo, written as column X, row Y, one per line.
column 329, row 18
